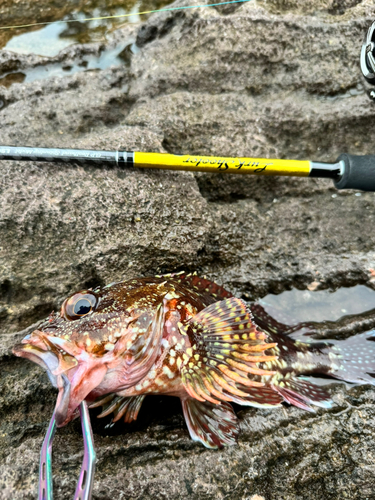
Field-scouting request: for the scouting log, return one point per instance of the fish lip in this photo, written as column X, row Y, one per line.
column 45, row 354
column 73, row 371
column 46, row 359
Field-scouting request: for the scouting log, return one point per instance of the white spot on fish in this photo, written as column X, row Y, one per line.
column 168, row 372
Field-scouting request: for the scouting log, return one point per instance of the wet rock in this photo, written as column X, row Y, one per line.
column 272, row 78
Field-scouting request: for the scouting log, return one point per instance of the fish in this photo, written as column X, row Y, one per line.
column 184, row 336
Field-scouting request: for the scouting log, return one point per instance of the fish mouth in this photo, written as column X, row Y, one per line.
column 70, row 369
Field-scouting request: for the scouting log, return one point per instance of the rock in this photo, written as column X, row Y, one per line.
column 274, row 78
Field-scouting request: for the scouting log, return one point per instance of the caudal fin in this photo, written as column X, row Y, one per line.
column 353, row 359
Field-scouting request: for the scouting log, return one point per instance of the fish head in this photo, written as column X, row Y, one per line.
column 101, row 341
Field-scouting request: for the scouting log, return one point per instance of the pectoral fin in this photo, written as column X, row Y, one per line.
column 223, row 362
column 127, row 407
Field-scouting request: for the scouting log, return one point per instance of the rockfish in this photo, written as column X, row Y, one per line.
column 183, row 336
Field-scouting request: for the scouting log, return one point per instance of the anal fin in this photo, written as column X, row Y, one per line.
column 259, row 397
column 213, row 425
column 302, row 393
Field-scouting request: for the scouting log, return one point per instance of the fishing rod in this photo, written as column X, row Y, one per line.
column 348, row 172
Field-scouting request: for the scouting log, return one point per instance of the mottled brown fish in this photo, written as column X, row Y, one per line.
column 183, row 336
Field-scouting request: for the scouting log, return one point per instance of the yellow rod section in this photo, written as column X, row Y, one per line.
column 196, row 163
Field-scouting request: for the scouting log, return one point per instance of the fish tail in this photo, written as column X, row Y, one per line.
column 353, row 359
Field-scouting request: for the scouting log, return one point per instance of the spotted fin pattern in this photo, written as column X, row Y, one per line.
column 213, row 425
column 353, row 359
column 221, row 365
column 205, row 287
column 121, row 407
column 302, row 393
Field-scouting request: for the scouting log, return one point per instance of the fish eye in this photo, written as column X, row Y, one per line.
column 82, row 307
column 78, row 305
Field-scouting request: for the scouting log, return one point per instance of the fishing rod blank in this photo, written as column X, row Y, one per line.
column 348, row 172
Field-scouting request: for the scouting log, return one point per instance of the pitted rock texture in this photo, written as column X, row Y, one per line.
column 270, row 78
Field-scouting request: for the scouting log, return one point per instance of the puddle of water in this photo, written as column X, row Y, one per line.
column 117, row 55
column 44, row 42
column 295, row 306
column 50, row 40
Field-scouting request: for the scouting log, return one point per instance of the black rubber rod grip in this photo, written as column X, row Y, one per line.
column 359, row 172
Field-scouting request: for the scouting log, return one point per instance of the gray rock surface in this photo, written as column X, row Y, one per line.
column 274, row 78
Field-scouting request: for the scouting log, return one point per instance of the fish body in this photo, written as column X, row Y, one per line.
column 183, row 336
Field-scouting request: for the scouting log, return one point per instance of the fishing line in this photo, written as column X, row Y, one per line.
column 87, row 19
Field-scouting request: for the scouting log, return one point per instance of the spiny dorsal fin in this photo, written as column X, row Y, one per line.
column 202, row 285
column 226, row 347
